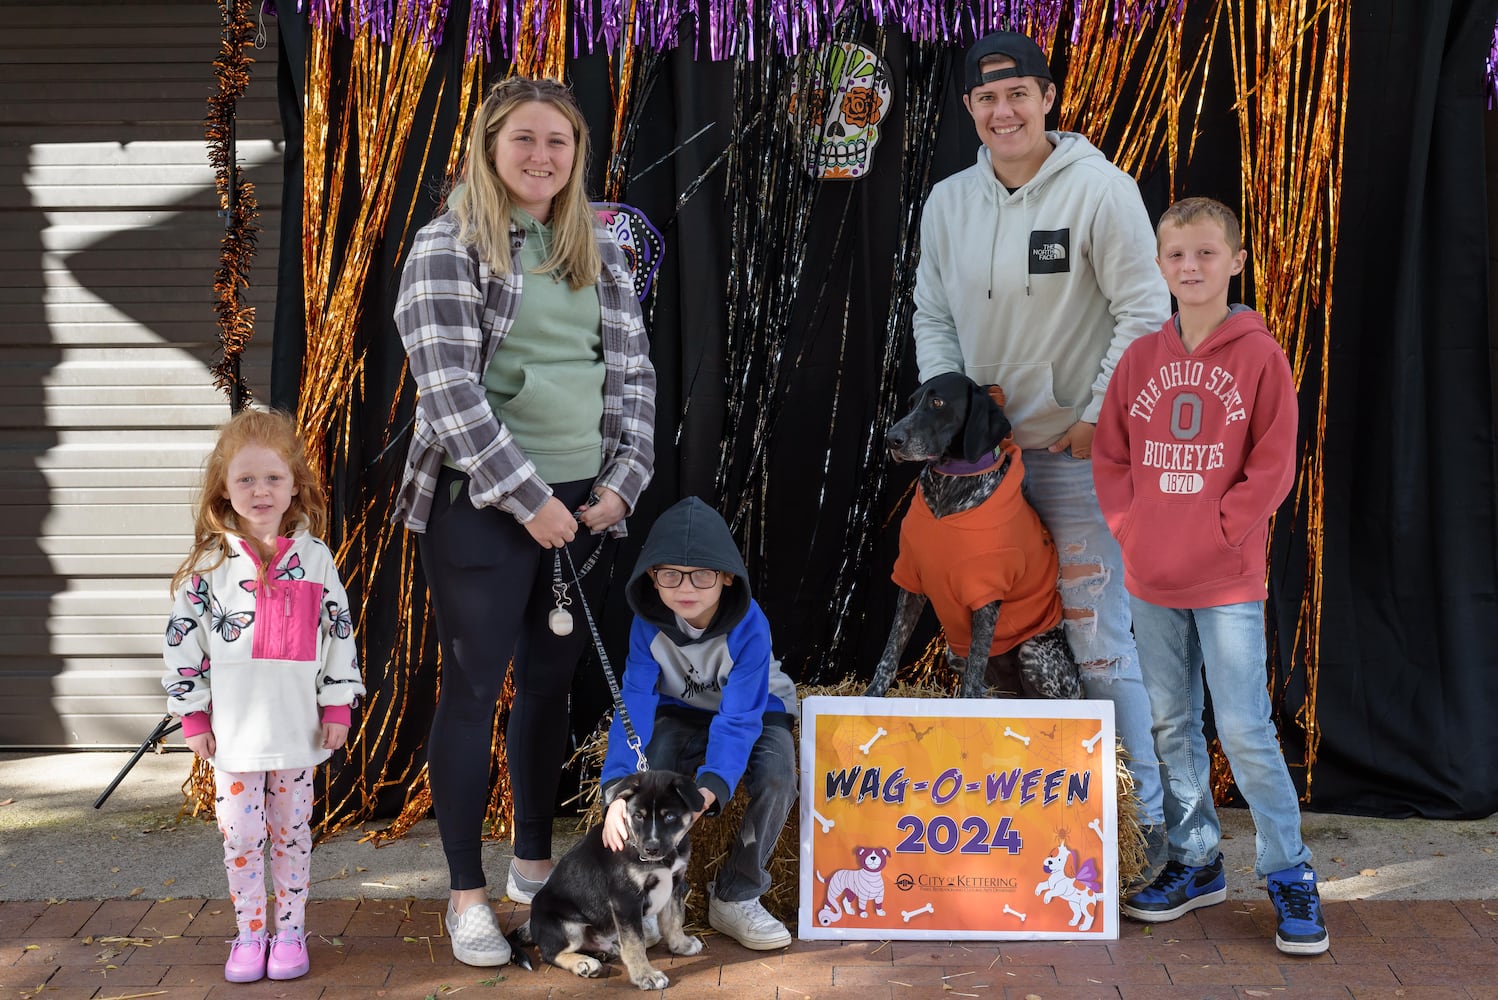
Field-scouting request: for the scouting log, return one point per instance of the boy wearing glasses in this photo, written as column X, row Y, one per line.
column 706, row 694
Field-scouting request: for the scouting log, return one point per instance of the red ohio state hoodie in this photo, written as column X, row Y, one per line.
column 1194, row 451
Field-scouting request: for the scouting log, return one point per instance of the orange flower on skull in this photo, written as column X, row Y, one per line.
column 861, row 106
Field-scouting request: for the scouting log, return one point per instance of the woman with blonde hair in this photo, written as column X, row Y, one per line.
column 535, row 417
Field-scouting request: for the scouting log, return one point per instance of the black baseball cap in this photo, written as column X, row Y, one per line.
column 1028, row 59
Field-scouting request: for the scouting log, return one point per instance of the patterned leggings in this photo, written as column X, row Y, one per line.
column 252, row 808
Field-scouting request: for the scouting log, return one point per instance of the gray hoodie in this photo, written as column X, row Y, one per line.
column 1038, row 290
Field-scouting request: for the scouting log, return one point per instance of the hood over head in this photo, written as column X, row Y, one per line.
column 689, row 533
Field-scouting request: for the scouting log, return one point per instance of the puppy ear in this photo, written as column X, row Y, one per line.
column 986, row 425
column 627, row 786
column 684, row 786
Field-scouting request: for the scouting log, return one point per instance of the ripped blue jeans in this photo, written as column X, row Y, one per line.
column 1096, row 610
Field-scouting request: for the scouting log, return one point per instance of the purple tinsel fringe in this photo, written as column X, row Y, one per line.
column 727, row 27
column 1492, row 76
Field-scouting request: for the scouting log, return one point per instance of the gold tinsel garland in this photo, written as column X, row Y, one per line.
column 236, row 321
column 1290, row 61
column 236, row 199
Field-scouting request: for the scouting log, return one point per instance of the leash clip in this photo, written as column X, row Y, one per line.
column 641, row 764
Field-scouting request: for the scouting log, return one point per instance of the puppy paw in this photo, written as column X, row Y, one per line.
column 587, row 967
column 686, row 946
column 651, row 980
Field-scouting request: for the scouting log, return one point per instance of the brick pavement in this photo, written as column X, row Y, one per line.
column 134, row 949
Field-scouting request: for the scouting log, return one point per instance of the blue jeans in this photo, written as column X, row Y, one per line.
column 1186, row 653
column 1096, row 604
column 679, row 743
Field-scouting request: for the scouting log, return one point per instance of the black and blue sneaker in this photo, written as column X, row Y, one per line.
column 1299, row 928
column 1178, row 889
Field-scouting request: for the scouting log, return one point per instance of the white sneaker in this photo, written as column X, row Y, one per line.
column 521, row 889
column 476, row 937
column 748, row 923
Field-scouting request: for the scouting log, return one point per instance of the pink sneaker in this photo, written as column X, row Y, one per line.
column 246, row 962
column 288, row 956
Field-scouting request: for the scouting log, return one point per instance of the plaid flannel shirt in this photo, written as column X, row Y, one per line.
column 448, row 297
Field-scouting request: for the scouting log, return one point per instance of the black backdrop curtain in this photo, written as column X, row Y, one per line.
column 772, row 397
column 1409, row 680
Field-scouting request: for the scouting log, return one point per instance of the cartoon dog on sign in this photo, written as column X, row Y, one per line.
column 864, row 884
column 1079, row 886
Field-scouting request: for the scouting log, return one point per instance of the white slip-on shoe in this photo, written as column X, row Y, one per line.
column 476, row 937
column 521, row 889
column 748, row 923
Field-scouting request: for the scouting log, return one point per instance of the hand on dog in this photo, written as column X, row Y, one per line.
column 603, row 515
column 203, row 744
column 615, row 828
column 1078, row 438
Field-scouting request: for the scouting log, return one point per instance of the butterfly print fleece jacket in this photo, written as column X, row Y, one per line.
column 263, row 662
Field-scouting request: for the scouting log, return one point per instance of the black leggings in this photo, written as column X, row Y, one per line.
column 490, row 586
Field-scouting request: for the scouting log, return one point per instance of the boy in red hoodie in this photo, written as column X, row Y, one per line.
column 1195, row 449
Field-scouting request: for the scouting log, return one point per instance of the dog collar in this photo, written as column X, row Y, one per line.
column 962, row 467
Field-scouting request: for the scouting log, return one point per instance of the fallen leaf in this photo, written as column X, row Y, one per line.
column 8, row 802
column 1369, row 871
column 1337, row 860
column 167, row 881
column 136, row 891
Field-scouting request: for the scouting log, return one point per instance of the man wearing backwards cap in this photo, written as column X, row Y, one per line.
column 1037, row 270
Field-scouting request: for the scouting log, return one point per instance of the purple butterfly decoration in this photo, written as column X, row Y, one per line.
column 640, row 241
column 1089, row 875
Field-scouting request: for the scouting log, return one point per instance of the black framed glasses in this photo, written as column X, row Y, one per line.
column 702, row 579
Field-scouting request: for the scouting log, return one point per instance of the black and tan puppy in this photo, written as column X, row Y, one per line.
column 975, row 547
column 596, row 900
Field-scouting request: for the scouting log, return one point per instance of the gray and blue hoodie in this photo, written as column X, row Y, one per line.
column 728, row 676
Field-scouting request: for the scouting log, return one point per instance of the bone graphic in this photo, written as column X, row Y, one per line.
column 1096, row 828
column 1019, row 736
column 1013, row 912
column 877, row 733
column 907, row 914
column 1089, row 744
column 826, row 823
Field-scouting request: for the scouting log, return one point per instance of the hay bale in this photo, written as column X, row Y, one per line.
column 713, row 836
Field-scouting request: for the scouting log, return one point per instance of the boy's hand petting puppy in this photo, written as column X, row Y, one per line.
column 616, row 827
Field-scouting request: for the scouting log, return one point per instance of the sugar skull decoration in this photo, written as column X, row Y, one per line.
column 838, row 100
column 641, row 241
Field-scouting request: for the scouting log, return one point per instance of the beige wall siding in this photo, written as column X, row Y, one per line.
column 109, row 238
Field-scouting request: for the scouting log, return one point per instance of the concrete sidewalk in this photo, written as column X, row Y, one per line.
column 54, row 844
column 125, row 903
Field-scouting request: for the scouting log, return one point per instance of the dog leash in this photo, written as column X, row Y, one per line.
column 632, row 739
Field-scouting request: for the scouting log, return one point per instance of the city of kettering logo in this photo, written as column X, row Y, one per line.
column 905, row 882
column 1050, row 251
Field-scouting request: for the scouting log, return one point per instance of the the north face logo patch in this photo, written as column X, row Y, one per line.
column 1050, row 251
